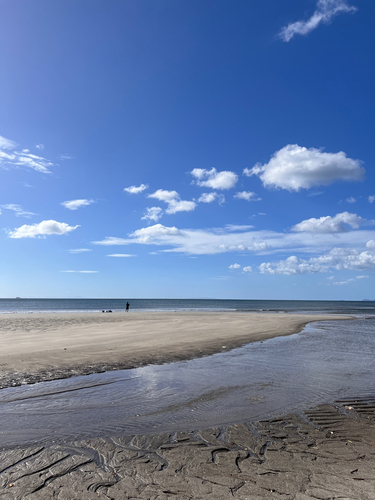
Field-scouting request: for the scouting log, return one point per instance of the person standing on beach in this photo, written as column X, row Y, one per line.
column 127, row 306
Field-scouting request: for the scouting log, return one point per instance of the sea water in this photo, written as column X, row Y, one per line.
column 24, row 305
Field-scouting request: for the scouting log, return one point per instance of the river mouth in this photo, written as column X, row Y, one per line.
column 326, row 361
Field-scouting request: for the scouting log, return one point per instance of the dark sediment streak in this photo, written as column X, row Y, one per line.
column 325, row 453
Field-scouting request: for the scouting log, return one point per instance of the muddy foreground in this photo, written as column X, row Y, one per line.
column 326, row 453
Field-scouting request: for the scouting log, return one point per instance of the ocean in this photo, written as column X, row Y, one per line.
column 24, row 305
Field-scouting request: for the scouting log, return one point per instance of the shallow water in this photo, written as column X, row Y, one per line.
column 327, row 360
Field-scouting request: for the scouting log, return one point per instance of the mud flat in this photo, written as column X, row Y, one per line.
column 324, row 453
column 41, row 347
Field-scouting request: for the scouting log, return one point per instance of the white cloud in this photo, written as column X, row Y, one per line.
column 153, row 213
column 361, row 277
column 242, row 239
column 164, row 195
column 247, row 195
column 210, row 197
column 175, row 204
column 39, row 146
column 370, row 244
column 346, row 282
column 76, row 204
column 44, row 228
column 155, row 233
column 316, row 193
column 65, row 157
column 9, row 157
column 236, row 227
column 180, row 206
column 325, row 11
column 18, row 210
column 111, row 240
column 7, row 143
column 330, row 224
column 82, row 272
column 79, row 250
column 291, row 265
column 207, row 197
column 234, row 266
column 121, row 255
column 294, row 168
column 135, row 189
column 371, row 199
column 248, row 269
column 338, row 258
column 214, row 179
column 351, row 199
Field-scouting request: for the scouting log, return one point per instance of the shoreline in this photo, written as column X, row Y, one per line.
column 50, row 346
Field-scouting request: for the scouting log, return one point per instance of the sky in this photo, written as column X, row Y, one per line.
column 187, row 149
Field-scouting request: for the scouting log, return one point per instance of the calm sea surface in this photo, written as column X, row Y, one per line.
column 21, row 305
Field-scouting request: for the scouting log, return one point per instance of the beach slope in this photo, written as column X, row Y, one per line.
column 38, row 347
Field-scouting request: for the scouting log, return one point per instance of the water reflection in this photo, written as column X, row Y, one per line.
column 325, row 361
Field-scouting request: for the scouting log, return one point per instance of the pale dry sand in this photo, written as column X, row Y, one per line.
column 37, row 347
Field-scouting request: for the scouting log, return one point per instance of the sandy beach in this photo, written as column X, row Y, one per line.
column 324, row 453
column 38, row 347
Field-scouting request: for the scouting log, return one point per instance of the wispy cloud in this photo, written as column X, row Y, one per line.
column 371, row 199
column 76, row 204
column 18, row 210
column 294, row 168
column 121, row 255
column 65, row 157
column 136, row 189
column 79, row 250
column 112, row 240
column 11, row 158
column 241, row 240
column 351, row 199
column 325, row 11
column 81, row 272
column 214, row 179
column 42, row 229
column 39, row 146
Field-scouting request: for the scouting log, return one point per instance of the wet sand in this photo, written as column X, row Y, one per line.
column 41, row 347
column 325, row 453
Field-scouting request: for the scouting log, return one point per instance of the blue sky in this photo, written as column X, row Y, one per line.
column 187, row 149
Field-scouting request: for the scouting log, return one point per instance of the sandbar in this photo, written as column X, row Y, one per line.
column 48, row 346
